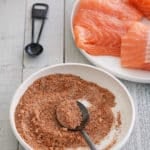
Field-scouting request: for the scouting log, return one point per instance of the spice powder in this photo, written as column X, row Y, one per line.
column 35, row 115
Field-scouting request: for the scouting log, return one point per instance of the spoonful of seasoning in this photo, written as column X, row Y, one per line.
column 39, row 11
column 74, row 116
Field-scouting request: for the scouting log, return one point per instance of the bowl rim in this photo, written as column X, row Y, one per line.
column 12, row 111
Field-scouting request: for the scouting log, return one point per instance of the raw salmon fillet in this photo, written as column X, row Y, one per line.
column 143, row 6
column 98, row 25
column 135, row 48
column 117, row 8
column 98, row 33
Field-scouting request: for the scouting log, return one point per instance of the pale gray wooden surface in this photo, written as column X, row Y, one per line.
column 15, row 65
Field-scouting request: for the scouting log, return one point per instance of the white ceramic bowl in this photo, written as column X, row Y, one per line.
column 123, row 99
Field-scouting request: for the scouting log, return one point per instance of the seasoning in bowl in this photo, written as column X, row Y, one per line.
column 35, row 115
column 68, row 114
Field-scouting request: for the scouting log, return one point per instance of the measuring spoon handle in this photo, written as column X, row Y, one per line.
column 88, row 140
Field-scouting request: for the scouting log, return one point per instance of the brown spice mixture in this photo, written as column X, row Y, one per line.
column 68, row 114
column 35, row 114
column 118, row 120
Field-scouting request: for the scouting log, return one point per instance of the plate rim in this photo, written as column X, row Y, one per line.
column 120, row 76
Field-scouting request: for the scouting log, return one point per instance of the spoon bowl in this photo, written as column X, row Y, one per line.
column 85, row 118
column 34, row 49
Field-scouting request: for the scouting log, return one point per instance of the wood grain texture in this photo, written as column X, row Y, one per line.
column 28, row 71
column 140, row 139
column 20, row 147
column 72, row 54
column 11, row 46
column 11, row 31
column 10, row 79
column 7, row 139
column 52, row 36
column 143, row 98
column 134, row 142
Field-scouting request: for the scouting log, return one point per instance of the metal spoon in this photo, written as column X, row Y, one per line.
column 85, row 118
column 34, row 48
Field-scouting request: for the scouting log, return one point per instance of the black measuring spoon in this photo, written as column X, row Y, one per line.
column 39, row 11
column 85, row 118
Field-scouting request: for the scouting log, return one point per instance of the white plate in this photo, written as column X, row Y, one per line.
column 112, row 64
column 124, row 102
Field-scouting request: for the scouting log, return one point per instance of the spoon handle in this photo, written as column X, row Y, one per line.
column 39, row 11
column 88, row 140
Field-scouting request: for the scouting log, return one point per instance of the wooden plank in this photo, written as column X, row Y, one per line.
column 72, row 54
column 143, row 98
column 20, row 147
column 52, row 37
column 11, row 31
column 7, row 140
column 141, row 137
column 10, row 78
column 28, row 71
column 11, row 46
column 134, row 142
